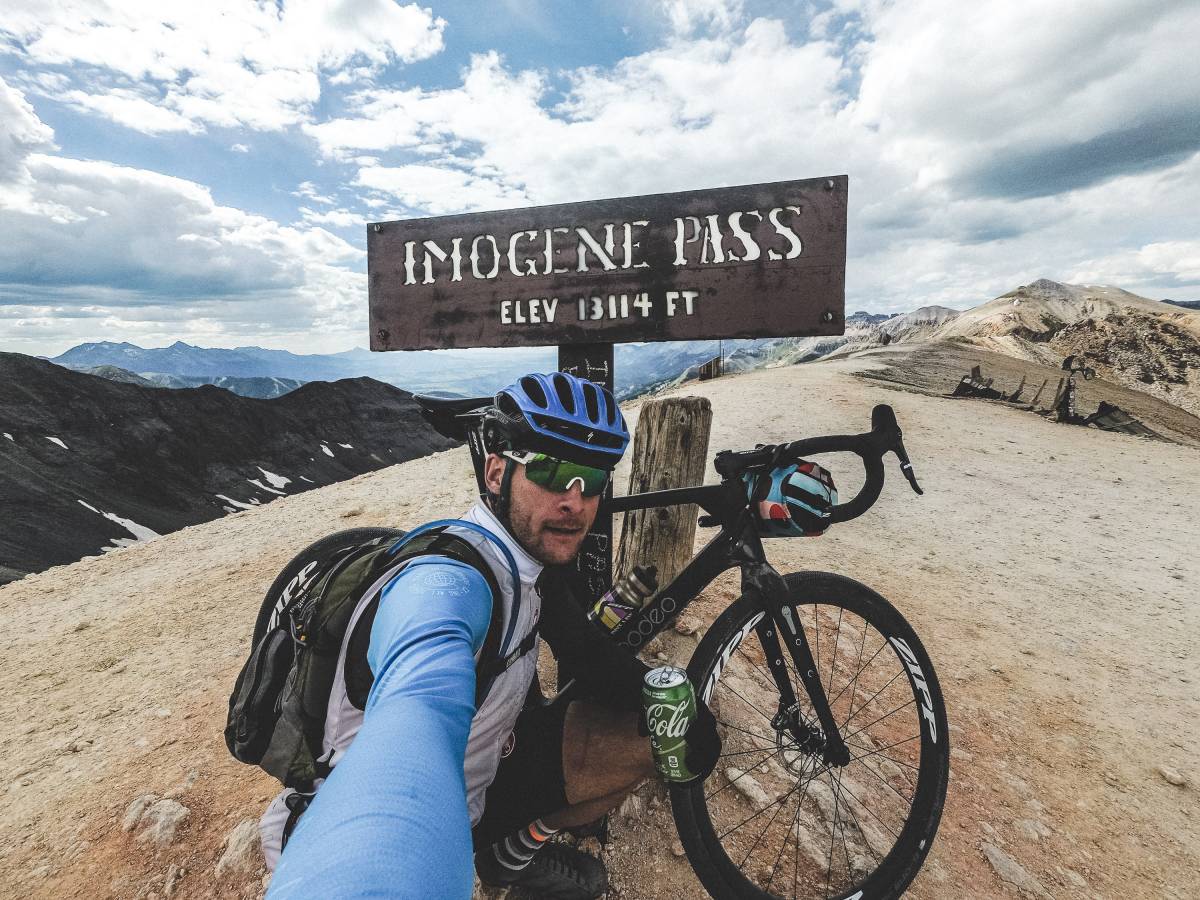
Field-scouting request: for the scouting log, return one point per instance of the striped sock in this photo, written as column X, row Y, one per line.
column 516, row 851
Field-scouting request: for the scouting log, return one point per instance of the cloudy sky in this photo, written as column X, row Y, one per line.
column 204, row 171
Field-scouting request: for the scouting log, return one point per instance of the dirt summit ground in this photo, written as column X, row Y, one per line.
column 1051, row 572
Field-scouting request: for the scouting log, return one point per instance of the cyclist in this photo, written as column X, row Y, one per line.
column 392, row 818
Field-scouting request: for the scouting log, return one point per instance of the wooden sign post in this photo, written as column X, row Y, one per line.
column 753, row 261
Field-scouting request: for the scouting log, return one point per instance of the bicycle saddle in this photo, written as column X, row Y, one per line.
column 444, row 410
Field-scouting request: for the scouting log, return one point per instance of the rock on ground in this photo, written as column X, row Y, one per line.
column 159, row 819
column 1012, row 872
column 242, row 849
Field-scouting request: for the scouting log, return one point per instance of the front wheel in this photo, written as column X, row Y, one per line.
column 775, row 819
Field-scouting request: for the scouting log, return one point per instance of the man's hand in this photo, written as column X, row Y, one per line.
column 703, row 743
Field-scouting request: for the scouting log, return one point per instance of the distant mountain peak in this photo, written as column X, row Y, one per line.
column 1045, row 284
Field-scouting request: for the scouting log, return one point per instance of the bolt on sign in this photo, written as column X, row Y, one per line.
column 764, row 260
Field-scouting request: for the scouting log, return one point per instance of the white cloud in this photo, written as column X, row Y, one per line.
column 339, row 218
column 1005, row 99
column 308, row 191
column 440, row 189
column 92, row 248
column 240, row 148
column 687, row 16
column 133, row 110
column 21, row 133
column 224, row 63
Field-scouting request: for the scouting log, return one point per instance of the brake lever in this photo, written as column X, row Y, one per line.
column 905, row 465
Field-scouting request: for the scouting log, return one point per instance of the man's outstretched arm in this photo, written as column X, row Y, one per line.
column 391, row 820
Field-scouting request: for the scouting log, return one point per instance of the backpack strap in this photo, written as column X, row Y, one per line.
column 436, row 541
column 508, row 557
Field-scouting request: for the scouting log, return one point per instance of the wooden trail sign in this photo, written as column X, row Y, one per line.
column 764, row 260
column 753, row 261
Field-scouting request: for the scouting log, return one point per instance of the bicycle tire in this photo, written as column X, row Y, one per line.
column 350, row 537
column 709, row 857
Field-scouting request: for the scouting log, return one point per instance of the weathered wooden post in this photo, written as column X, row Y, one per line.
column 1033, row 402
column 1057, row 394
column 670, row 449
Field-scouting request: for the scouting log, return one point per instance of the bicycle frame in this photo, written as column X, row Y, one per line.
column 737, row 544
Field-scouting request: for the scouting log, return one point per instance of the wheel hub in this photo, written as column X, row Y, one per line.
column 799, row 740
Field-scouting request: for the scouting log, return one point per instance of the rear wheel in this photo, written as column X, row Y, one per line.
column 774, row 819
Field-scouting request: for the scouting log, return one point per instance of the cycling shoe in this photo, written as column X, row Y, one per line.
column 556, row 872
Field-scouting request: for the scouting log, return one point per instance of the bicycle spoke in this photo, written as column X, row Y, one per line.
column 861, row 669
column 817, row 635
column 832, row 836
column 735, row 693
column 782, row 847
column 858, row 827
column 891, row 830
column 767, row 681
column 754, row 816
column 886, row 783
column 743, row 775
column 872, row 697
column 758, row 840
column 911, row 702
column 833, row 656
column 873, row 752
column 845, row 848
column 753, row 750
column 764, row 737
column 891, row 759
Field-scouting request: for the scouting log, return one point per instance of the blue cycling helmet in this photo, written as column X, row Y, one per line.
column 558, row 414
column 792, row 501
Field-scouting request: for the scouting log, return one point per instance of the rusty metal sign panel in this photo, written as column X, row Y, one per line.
column 763, row 260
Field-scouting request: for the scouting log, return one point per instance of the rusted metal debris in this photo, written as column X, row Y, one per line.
column 710, row 369
column 1108, row 417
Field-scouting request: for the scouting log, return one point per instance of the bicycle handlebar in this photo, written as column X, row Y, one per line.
column 885, row 436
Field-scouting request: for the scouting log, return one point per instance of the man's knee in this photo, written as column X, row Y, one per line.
column 602, row 751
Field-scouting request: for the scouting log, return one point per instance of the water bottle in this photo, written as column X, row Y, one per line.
column 626, row 597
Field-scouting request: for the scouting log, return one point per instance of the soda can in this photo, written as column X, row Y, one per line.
column 670, row 704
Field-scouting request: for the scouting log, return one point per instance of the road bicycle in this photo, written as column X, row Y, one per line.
column 835, row 756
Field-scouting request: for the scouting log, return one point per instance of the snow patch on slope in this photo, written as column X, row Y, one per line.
column 262, row 487
column 140, row 532
column 274, row 480
column 238, row 503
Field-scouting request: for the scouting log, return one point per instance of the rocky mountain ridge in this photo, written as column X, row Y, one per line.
column 1130, row 340
column 88, row 464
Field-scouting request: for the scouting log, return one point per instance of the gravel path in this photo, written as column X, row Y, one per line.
column 1051, row 572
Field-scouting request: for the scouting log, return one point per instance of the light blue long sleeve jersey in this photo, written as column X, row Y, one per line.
column 391, row 820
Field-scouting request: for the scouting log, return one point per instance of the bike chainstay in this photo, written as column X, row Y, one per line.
column 762, row 580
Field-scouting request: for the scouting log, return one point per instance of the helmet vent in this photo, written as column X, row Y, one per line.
column 591, row 402
column 507, row 405
column 562, row 387
column 534, row 389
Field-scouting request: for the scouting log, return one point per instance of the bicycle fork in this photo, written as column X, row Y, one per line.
column 769, row 586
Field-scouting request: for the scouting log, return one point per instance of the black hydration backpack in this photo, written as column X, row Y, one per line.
column 278, row 705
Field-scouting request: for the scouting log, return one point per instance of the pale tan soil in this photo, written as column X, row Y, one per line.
column 1050, row 571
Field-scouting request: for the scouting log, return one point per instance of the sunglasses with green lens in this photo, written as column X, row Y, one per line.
column 559, row 475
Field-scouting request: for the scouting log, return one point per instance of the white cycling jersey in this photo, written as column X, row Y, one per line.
column 493, row 721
